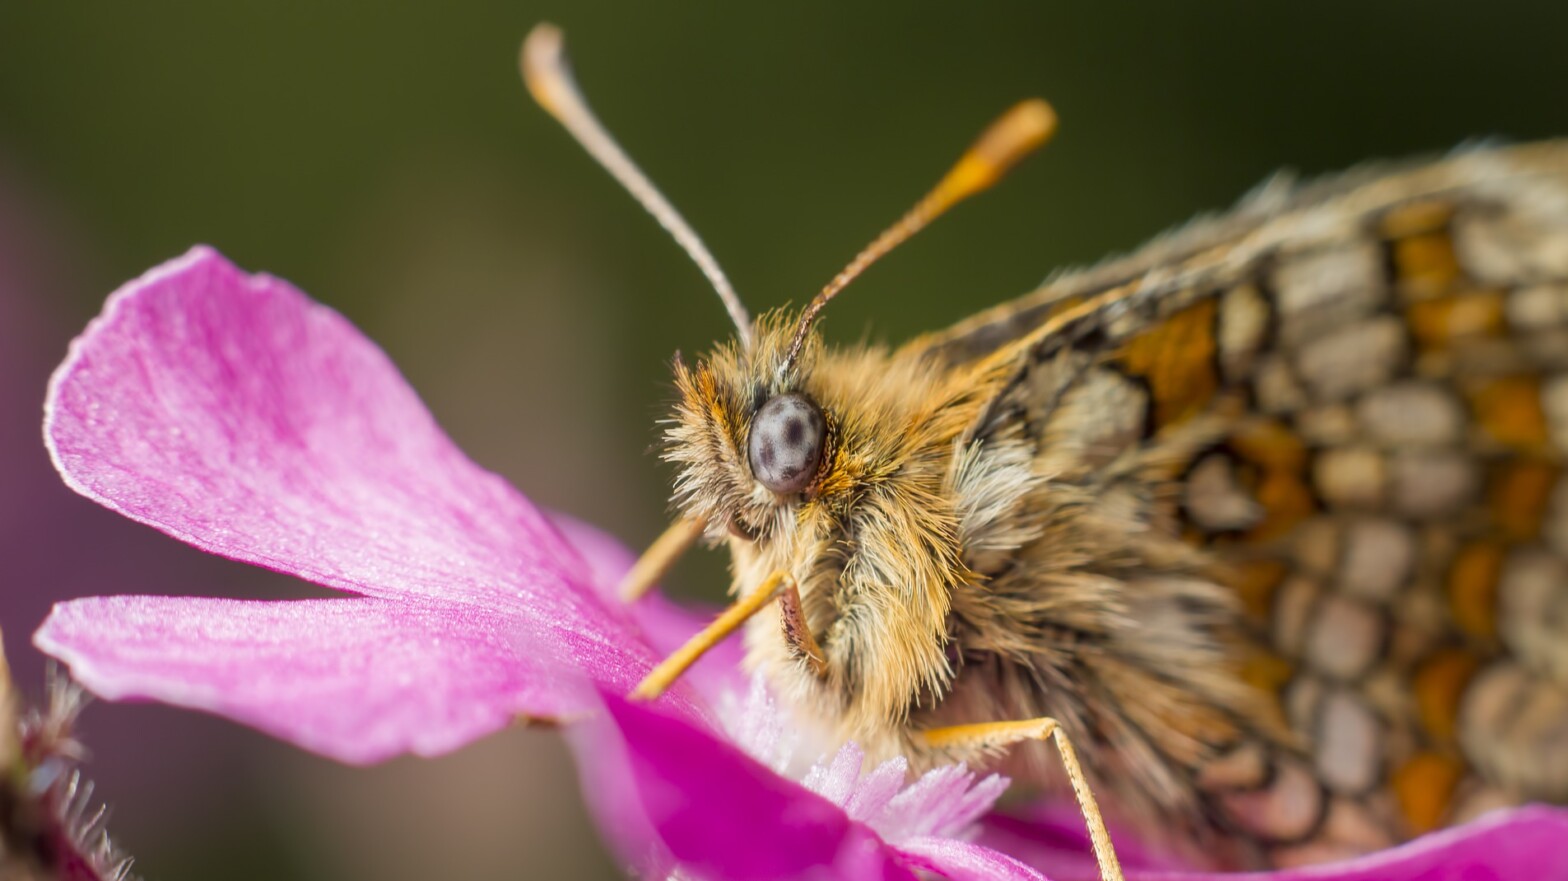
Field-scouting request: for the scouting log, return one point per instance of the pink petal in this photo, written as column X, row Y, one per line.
column 667, row 790
column 355, row 679
column 230, row 411
column 880, row 786
column 1520, row 844
column 963, row 861
column 944, row 801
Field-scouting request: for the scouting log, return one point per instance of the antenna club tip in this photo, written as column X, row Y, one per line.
column 542, row 61
column 1014, row 135
column 1036, row 108
column 1018, row 132
column 1034, row 115
column 542, row 47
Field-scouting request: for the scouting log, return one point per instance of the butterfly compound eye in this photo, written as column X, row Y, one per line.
column 786, row 443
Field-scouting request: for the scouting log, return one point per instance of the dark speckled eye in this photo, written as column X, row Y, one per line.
column 786, row 443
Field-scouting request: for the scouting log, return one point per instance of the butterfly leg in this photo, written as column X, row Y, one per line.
column 656, row 561
column 660, row 678
column 996, row 735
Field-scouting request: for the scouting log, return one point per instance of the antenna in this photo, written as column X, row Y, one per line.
column 549, row 78
column 1014, row 135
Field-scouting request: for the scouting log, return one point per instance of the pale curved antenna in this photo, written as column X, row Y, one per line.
column 549, row 78
column 1014, row 135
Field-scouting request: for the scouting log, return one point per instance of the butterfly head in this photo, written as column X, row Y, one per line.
column 752, row 435
column 757, row 430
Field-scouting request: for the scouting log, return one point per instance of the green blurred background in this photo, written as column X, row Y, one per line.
column 386, row 159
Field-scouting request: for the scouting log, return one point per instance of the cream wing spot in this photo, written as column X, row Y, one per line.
column 1289, row 809
column 1349, row 743
column 1243, row 326
column 1379, row 556
column 1213, row 498
column 1539, row 741
column 1412, row 413
column 1351, row 477
column 1354, row 358
column 1487, row 711
column 1538, row 307
column 1345, row 637
column 1321, row 291
column 1527, row 238
column 1327, row 425
column 1275, row 384
column 1433, row 483
column 1533, row 610
column 1098, row 418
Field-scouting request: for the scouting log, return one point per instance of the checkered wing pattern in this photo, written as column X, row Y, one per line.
column 1346, row 403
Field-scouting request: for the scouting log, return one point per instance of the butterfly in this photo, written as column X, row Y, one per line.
column 1264, row 524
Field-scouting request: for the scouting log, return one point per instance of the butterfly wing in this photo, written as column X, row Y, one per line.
column 1353, row 398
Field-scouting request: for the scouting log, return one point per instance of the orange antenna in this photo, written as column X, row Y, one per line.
column 1009, row 139
column 549, row 78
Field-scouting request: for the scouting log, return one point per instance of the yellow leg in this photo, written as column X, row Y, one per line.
column 656, row 561
column 994, row 735
column 660, row 678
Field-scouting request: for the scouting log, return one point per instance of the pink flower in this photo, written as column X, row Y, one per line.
column 235, row 414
